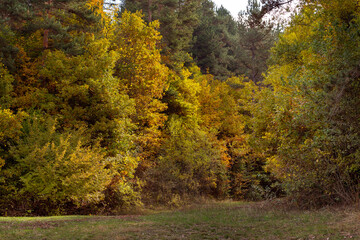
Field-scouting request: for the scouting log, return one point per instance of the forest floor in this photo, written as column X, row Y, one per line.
column 222, row 220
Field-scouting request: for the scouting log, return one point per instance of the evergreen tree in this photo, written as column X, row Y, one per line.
column 177, row 19
column 213, row 41
column 255, row 38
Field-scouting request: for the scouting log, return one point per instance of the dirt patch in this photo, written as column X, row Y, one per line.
column 30, row 224
column 47, row 224
column 350, row 225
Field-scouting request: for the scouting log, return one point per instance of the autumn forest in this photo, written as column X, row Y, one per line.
column 107, row 106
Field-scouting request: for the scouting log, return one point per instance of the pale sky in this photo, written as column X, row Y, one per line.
column 234, row 6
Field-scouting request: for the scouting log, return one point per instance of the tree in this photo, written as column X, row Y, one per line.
column 213, row 41
column 256, row 37
column 191, row 161
column 91, row 111
column 313, row 118
column 143, row 77
column 177, row 22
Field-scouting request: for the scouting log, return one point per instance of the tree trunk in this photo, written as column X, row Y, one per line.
column 46, row 31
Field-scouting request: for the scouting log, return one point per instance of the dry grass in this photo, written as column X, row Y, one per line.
column 225, row 220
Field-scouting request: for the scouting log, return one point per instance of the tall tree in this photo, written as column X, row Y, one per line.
column 144, row 78
column 256, row 37
column 88, row 148
column 312, row 139
column 214, row 41
column 177, row 22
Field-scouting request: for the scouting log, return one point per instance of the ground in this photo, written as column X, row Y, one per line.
column 221, row 220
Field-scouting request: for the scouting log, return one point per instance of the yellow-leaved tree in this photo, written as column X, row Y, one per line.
column 308, row 122
column 143, row 77
column 75, row 147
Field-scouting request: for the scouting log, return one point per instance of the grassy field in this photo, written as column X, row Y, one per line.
column 226, row 220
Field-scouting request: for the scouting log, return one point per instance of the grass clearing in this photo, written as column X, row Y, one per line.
column 225, row 220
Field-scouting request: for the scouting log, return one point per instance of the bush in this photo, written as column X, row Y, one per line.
column 189, row 165
column 51, row 172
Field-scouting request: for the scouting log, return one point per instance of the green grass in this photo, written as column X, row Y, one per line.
column 226, row 220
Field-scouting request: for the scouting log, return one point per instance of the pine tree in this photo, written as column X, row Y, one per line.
column 177, row 19
column 256, row 37
column 214, row 41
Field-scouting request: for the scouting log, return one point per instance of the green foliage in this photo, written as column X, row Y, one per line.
column 59, row 166
column 52, row 170
column 86, row 159
column 191, row 161
column 143, row 77
column 312, row 114
column 86, row 94
column 135, row 117
column 10, row 127
column 178, row 20
column 6, row 87
column 189, row 165
column 10, row 123
column 213, row 41
column 256, row 36
column 8, row 51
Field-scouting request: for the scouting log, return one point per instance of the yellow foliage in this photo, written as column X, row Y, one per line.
column 10, row 124
column 144, row 78
column 2, row 163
